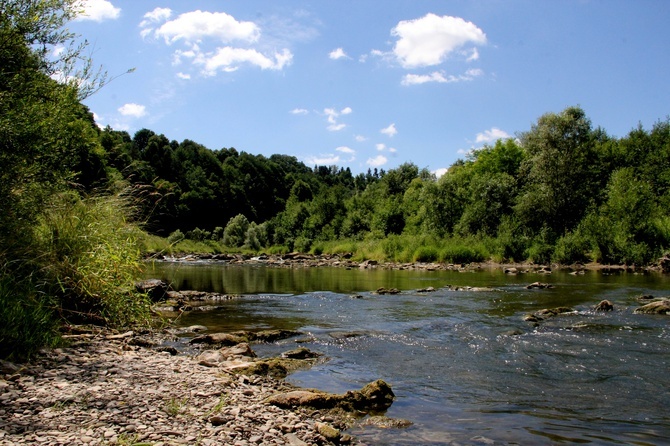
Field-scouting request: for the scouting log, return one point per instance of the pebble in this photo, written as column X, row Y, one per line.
column 106, row 391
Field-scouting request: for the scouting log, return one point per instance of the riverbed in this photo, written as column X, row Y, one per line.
column 464, row 365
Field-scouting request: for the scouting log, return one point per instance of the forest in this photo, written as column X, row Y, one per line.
column 562, row 191
column 82, row 205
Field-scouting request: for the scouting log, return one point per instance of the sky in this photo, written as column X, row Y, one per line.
column 370, row 84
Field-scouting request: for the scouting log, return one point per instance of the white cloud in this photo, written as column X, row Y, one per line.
column 377, row 161
column 345, row 149
column 332, row 116
column 429, row 40
column 327, row 159
column 389, row 131
column 299, row 111
column 133, row 110
column 491, row 135
column 393, row 150
column 439, row 172
column 196, row 25
column 440, row 77
column 98, row 10
column 184, row 76
column 360, row 138
column 337, row 53
column 155, row 16
column 336, row 127
column 228, row 59
column 380, row 147
column 474, row 55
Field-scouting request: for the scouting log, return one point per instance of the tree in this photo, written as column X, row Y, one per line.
column 236, row 231
column 558, row 187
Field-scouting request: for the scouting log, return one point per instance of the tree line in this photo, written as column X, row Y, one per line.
column 561, row 191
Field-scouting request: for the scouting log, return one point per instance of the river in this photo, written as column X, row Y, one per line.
column 465, row 367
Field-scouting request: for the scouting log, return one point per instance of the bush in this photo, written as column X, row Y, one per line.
column 539, row 252
column 571, row 248
column 302, row 244
column 460, row 253
column 235, row 233
column 198, row 235
column 426, row 254
column 176, row 237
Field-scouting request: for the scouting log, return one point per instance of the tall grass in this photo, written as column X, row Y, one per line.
column 27, row 319
column 91, row 259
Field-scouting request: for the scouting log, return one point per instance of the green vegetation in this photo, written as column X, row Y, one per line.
column 74, row 197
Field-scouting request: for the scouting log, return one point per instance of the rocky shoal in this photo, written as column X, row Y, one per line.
column 105, row 390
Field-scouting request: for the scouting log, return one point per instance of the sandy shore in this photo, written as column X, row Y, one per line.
column 108, row 389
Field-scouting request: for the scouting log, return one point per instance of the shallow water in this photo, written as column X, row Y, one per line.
column 465, row 367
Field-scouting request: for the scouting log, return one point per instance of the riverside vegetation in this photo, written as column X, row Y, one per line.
column 82, row 204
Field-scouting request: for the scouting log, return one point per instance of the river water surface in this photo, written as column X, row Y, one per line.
column 465, row 367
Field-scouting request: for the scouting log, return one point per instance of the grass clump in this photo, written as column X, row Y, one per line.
column 91, row 259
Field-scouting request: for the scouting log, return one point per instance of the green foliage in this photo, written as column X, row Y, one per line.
column 572, row 248
column 198, row 235
column 235, row 233
column 459, row 251
column 426, row 254
column 91, row 259
column 27, row 319
column 175, row 237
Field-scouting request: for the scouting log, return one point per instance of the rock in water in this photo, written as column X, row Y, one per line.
column 604, row 305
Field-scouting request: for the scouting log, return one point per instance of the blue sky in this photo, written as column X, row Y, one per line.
column 365, row 84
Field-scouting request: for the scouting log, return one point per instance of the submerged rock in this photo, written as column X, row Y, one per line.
column 547, row 313
column 387, row 291
column 539, row 286
column 656, row 307
column 386, row 422
column 301, row 353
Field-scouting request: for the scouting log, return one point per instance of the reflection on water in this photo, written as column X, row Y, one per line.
column 465, row 367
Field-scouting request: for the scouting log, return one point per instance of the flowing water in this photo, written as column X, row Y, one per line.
column 465, row 367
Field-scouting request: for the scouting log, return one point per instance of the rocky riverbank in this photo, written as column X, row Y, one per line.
column 109, row 388
column 301, row 260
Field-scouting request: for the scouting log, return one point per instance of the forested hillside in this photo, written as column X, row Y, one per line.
column 562, row 191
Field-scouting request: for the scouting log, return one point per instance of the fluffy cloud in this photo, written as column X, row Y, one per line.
column 337, row 53
column 202, row 33
column 98, row 10
column 299, row 111
column 491, row 135
column 345, row 149
column 133, row 110
column 360, row 138
column 389, row 131
column 155, row 16
column 184, row 76
column 196, row 25
column 440, row 77
column 439, row 172
column 228, row 59
column 377, row 161
column 322, row 160
column 428, row 41
column 332, row 116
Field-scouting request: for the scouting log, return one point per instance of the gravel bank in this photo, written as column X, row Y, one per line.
column 103, row 390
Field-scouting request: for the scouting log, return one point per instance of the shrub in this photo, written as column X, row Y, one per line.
column 199, row 235
column 235, row 232
column 460, row 253
column 302, row 244
column 176, row 237
column 426, row 254
column 571, row 248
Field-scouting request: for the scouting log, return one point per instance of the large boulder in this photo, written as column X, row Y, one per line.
column 222, row 339
column 155, row 289
column 376, row 396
